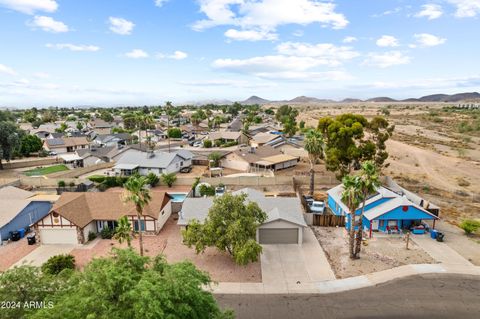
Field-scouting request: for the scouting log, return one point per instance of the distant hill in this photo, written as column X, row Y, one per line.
column 255, row 100
column 381, row 99
column 306, row 99
column 446, row 98
column 350, row 100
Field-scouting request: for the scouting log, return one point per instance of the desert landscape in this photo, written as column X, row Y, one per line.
column 434, row 151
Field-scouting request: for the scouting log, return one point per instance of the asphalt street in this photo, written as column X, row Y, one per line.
column 421, row 296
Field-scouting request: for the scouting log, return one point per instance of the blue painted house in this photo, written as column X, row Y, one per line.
column 20, row 209
column 384, row 211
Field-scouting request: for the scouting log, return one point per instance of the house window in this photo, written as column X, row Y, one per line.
column 135, row 225
column 181, row 163
column 381, row 223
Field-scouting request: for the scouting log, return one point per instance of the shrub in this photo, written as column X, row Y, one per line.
column 55, row 264
column 153, row 179
column 470, row 226
column 72, row 184
column 206, row 190
column 107, row 233
column 61, row 183
column 218, row 143
column 91, row 235
column 169, row 179
column 175, row 133
column 97, row 178
column 207, row 143
column 233, row 143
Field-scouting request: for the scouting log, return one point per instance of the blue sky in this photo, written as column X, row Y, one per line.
column 121, row 52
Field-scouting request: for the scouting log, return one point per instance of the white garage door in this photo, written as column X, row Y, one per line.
column 278, row 235
column 58, row 236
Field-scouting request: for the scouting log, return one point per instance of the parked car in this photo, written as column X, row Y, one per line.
column 52, row 153
column 186, row 169
column 317, row 207
column 197, row 144
column 308, row 199
column 219, row 190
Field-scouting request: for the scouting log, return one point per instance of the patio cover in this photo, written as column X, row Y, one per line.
column 126, row 166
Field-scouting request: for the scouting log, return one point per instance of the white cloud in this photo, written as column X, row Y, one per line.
column 41, row 75
column 48, row 24
column 73, row 47
column 327, row 51
column 160, row 3
column 7, row 70
column 250, row 35
column 430, row 11
column 385, row 60
column 427, row 40
column 137, row 54
column 349, row 40
column 466, row 8
column 30, row 6
column 264, row 16
column 388, row 12
column 121, row 26
column 177, row 55
column 387, row 41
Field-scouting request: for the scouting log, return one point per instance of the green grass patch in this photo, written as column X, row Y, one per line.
column 46, row 170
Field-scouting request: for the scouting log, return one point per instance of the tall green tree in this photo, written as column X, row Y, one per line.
column 231, row 226
column 30, row 144
column 9, row 140
column 351, row 197
column 287, row 116
column 368, row 182
column 137, row 193
column 350, row 140
column 314, row 145
column 215, row 157
column 123, row 231
column 129, row 286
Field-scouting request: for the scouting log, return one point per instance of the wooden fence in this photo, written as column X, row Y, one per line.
column 328, row 220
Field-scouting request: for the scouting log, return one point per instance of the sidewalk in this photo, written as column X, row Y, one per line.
column 333, row 286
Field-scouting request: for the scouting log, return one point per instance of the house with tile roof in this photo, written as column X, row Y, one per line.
column 75, row 215
column 254, row 159
column 284, row 225
column 65, row 144
column 385, row 210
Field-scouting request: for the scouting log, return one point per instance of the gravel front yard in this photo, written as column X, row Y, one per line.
column 169, row 241
column 380, row 253
column 13, row 252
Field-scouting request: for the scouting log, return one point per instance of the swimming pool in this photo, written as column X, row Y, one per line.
column 178, row 197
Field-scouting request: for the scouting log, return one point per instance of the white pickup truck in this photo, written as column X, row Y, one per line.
column 317, row 207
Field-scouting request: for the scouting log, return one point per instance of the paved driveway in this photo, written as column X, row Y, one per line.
column 290, row 266
column 439, row 251
column 43, row 253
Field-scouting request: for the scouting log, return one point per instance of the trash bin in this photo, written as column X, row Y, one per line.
column 22, row 232
column 15, row 236
column 31, row 239
column 433, row 234
column 440, row 236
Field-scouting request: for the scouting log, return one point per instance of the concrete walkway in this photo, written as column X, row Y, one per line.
column 439, row 251
column 43, row 253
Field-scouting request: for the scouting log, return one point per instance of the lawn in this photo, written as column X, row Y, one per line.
column 46, row 170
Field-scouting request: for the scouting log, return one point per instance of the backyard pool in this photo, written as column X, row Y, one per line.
column 178, row 197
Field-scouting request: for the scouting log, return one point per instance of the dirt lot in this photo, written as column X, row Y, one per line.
column 220, row 265
column 13, row 252
column 379, row 254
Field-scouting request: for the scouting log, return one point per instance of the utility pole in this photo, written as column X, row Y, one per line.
column 408, row 238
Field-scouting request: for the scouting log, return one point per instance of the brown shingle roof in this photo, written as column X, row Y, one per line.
column 66, row 141
column 258, row 154
column 83, row 208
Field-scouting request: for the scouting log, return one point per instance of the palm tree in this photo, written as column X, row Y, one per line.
column 368, row 182
column 139, row 195
column 168, row 112
column 314, row 145
column 351, row 197
column 123, row 232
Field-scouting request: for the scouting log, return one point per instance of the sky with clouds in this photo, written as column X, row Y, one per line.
column 121, row 52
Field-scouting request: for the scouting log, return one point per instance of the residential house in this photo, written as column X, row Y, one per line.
column 284, row 225
column 75, row 215
column 132, row 161
column 100, row 126
column 154, row 136
column 385, row 210
column 236, row 125
column 252, row 159
column 106, row 140
column 65, row 144
column 228, row 137
column 21, row 209
column 97, row 155
column 274, row 140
